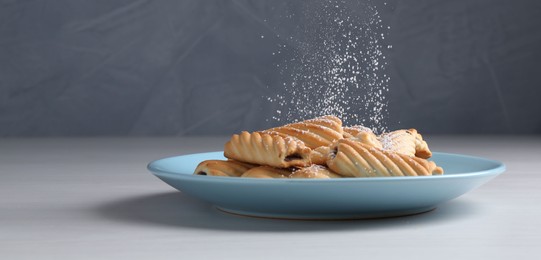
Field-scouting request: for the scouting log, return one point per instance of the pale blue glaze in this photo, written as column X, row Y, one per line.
column 343, row 198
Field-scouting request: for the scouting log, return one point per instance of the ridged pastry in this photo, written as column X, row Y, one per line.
column 367, row 138
column 319, row 155
column 267, row 173
column 267, row 149
column 320, row 131
column 354, row 159
column 407, row 142
column 351, row 131
column 314, row 172
column 222, row 168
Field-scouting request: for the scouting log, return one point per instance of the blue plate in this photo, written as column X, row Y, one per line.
column 344, row 198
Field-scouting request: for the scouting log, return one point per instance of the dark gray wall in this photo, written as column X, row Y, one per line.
column 86, row 68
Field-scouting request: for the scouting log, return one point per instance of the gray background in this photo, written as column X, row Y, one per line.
column 92, row 68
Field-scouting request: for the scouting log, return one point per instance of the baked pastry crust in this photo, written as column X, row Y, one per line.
column 267, row 149
column 367, row 138
column 351, row 131
column 320, row 155
column 355, row 159
column 228, row 168
column 320, row 131
column 408, row 142
column 314, row 172
column 266, row 172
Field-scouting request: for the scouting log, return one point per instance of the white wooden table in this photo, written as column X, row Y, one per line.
column 90, row 198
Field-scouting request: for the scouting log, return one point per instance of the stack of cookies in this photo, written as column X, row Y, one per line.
column 322, row 148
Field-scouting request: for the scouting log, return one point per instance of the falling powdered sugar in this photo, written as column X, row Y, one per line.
column 337, row 67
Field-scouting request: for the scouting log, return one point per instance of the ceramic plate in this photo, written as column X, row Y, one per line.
column 344, row 198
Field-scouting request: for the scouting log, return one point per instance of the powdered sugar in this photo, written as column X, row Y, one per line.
column 338, row 67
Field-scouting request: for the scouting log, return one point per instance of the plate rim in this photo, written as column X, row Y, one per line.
column 499, row 169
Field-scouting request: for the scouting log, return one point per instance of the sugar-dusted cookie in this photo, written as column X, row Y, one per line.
column 366, row 137
column 314, row 172
column 267, row 172
column 267, row 149
column 320, row 155
column 408, row 142
column 228, row 168
column 320, row 131
column 351, row 131
column 355, row 159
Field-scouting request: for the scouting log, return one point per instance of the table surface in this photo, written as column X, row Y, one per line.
column 92, row 198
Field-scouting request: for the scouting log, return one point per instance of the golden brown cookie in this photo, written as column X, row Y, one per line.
column 367, row 138
column 314, row 172
column 320, row 155
column 320, row 131
column 222, row 168
column 351, row 131
column 354, row 159
column 267, row 149
column 267, row 173
column 407, row 142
